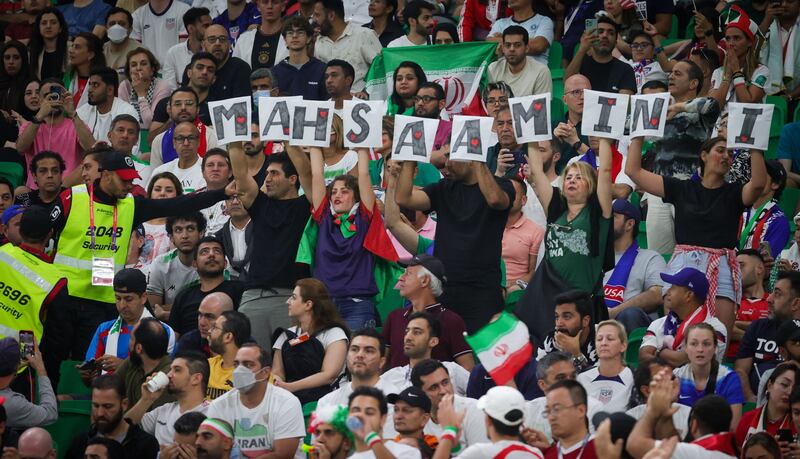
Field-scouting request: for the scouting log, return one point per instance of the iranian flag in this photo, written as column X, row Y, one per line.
column 460, row 68
column 503, row 347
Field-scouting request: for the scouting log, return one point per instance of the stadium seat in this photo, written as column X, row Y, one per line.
column 556, row 55
column 778, row 116
column 788, row 202
column 70, row 380
column 797, row 114
column 73, row 418
column 144, row 146
column 634, row 343
column 673, row 30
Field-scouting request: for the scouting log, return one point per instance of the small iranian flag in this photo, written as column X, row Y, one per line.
column 503, row 347
column 460, row 68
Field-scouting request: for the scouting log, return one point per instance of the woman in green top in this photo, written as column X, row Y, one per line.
column 407, row 78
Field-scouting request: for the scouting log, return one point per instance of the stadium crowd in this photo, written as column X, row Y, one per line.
column 167, row 294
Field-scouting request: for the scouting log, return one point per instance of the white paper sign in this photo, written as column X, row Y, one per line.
column 413, row 138
column 311, row 123
column 649, row 114
column 641, row 11
column 748, row 125
column 275, row 116
column 604, row 114
column 470, row 138
column 530, row 116
column 231, row 119
column 363, row 123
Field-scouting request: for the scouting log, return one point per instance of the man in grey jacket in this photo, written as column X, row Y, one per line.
column 20, row 413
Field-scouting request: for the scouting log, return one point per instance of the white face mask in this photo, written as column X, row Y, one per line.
column 244, row 379
column 117, row 34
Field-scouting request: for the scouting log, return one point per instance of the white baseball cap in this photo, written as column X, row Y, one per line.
column 504, row 404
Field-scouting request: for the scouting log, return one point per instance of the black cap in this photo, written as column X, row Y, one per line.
column 35, row 223
column 776, row 172
column 429, row 262
column 120, row 163
column 9, row 356
column 414, row 396
column 621, row 424
column 788, row 331
column 130, row 280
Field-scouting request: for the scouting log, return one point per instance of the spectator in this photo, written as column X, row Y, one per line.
column 524, row 74
column 212, row 306
column 611, row 380
column 605, row 72
column 417, row 229
column 429, row 103
column 777, row 412
column 20, row 413
column 188, row 380
column 342, row 40
column 185, row 433
column 123, row 137
column 195, row 21
column 47, row 171
column 444, row 33
column 384, row 21
column 263, row 83
column 6, row 194
column 255, row 153
column 339, row 76
column 30, row 105
column 528, row 15
column 264, row 46
column 330, row 433
column 281, row 417
column 48, row 44
column 309, row 371
column 684, row 299
column 764, row 221
column 184, row 105
column 741, row 78
column 645, row 68
column 85, row 53
column 214, row 439
column 422, row 335
column 14, row 75
column 754, row 297
column 22, row 30
column 110, row 344
column 216, row 167
column 209, row 261
column 141, row 87
column 119, row 24
column 477, row 19
column 236, row 236
column 148, row 355
column 103, row 448
column 790, row 135
column 34, row 442
column 700, row 342
column 174, row 270
column 85, row 16
column 432, row 377
column 108, row 407
column 102, row 103
column 708, row 61
column 761, row 443
column 480, row 381
column 566, row 410
column 161, row 186
column 568, row 130
column 412, row 412
column 299, row 74
column 159, row 26
column 642, row 378
column 632, row 289
column 239, row 17
column 11, row 223
column 421, row 284
column 55, row 126
column 229, row 333
column 368, row 404
column 521, row 239
column 186, row 139
column 574, row 21
column 495, row 97
column 574, row 331
column 232, row 73
column 365, row 358
column 407, row 78
column 418, row 15
column 674, row 154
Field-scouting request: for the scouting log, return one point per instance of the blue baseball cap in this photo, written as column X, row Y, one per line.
column 624, row 207
column 12, row 212
column 690, row 278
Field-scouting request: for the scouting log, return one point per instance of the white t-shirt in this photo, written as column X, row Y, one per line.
column 398, row 450
column 340, row 395
column 100, row 124
column 191, row 178
column 654, row 336
column 535, row 418
column 759, row 79
column 159, row 32
column 160, row 422
column 327, row 337
column 537, row 26
column 168, row 275
column 680, row 419
column 342, row 167
column 473, row 429
column 487, row 450
column 614, row 393
column 401, row 377
column 178, row 57
column 402, row 41
column 692, row 451
column 278, row 416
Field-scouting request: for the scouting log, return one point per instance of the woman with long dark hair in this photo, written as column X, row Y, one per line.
column 308, row 357
column 14, row 75
column 85, row 53
column 408, row 76
column 776, row 414
column 48, row 44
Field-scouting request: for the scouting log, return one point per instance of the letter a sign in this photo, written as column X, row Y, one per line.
column 748, row 125
column 231, row 119
column 413, row 138
column 604, row 114
column 469, row 140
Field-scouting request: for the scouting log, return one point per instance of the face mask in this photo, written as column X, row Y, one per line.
column 259, row 94
column 117, row 34
column 244, row 379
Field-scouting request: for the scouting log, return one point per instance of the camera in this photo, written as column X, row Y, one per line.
column 55, row 93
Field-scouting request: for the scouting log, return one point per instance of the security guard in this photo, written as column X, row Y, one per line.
column 94, row 225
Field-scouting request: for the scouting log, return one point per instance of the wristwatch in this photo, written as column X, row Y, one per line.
column 577, row 145
column 36, row 120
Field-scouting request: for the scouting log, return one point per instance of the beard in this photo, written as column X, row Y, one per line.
column 136, row 359
column 106, row 426
column 202, row 272
column 216, row 346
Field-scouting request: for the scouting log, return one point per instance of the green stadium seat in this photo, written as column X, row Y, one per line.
column 788, row 202
column 642, row 237
column 778, row 116
column 70, row 380
column 556, row 55
column 512, row 298
column 14, row 172
column 144, row 146
column 634, row 343
column 557, row 109
column 73, row 418
column 797, row 114
column 673, row 30
column 689, row 32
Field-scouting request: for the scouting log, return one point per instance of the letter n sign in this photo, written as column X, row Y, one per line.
column 649, row 114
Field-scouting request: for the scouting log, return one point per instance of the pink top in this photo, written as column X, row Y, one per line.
column 146, row 110
column 61, row 139
column 520, row 241
column 428, row 230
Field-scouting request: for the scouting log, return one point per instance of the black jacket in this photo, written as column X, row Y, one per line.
column 224, row 235
column 137, row 444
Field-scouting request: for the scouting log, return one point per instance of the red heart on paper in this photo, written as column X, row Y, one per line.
column 286, row 130
column 743, row 138
column 417, row 134
column 474, row 142
column 323, row 113
column 611, row 101
column 241, row 119
column 353, row 136
column 654, row 121
column 537, row 106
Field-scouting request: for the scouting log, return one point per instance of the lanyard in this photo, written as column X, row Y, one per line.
column 754, row 218
column 580, row 453
column 91, row 222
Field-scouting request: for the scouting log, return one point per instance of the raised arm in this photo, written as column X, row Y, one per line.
column 393, row 220
column 364, row 180
column 604, row 181
column 494, row 195
column 407, row 195
column 758, row 178
column 303, row 165
column 646, row 180
column 317, row 178
column 537, row 178
column 245, row 184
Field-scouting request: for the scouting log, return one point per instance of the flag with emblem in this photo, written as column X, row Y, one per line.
column 460, row 68
column 503, row 347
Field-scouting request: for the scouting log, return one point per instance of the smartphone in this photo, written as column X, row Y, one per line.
column 88, row 365
column 26, row 342
column 591, row 25
column 785, row 435
column 520, row 157
column 765, row 249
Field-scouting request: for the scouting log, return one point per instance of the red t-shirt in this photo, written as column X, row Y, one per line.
column 576, row 451
column 751, row 417
column 751, row 309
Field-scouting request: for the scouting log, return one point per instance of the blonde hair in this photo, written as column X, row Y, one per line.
column 623, row 336
column 337, row 126
column 588, row 175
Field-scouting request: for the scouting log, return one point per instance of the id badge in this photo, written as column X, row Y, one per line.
column 102, row 271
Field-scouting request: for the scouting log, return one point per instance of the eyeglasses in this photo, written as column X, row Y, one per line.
column 217, row 39
column 574, row 92
column 556, row 410
column 184, row 138
column 425, row 99
column 500, row 100
column 640, row 46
